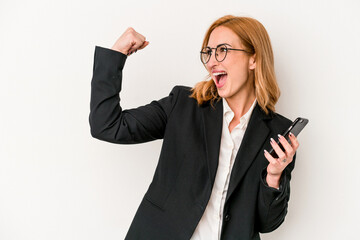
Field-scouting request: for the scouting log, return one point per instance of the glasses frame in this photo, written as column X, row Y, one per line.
column 220, row 45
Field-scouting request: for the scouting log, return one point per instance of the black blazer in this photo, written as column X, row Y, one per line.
column 185, row 174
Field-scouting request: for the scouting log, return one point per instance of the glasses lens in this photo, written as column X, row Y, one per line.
column 221, row 52
column 205, row 55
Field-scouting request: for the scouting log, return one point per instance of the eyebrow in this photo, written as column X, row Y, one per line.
column 223, row 44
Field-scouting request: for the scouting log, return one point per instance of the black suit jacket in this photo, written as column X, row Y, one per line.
column 185, row 174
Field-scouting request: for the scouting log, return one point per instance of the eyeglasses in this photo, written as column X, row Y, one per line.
column 220, row 53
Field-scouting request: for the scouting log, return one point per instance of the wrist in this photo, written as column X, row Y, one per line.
column 273, row 180
column 119, row 49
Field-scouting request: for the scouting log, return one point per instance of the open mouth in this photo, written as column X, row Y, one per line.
column 220, row 78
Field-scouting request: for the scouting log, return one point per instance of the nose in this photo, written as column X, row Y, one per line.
column 212, row 62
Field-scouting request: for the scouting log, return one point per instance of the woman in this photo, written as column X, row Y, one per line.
column 214, row 179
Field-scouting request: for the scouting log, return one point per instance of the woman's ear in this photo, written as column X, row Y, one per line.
column 252, row 62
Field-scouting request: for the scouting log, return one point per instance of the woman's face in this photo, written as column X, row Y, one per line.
column 233, row 76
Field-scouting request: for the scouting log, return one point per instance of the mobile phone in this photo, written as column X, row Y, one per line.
column 295, row 128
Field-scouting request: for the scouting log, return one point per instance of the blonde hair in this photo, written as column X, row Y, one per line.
column 255, row 39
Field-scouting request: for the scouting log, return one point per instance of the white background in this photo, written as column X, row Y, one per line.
column 57, row 182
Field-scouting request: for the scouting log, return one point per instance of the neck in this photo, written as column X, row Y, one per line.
column 241, row 103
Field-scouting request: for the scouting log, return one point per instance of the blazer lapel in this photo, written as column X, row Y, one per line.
column 212, row 127
column 255, row 135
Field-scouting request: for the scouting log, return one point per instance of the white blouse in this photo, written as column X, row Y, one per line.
column 209, row 227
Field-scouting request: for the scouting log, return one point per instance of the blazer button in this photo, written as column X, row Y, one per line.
column 227, row 217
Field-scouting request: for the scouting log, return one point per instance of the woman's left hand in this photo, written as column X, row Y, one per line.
column 277, row 165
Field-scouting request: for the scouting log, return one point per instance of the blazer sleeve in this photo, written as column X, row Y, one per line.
column 272, row 202
column 108, row 121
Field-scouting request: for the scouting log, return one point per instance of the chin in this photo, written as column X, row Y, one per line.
column 223, row 94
